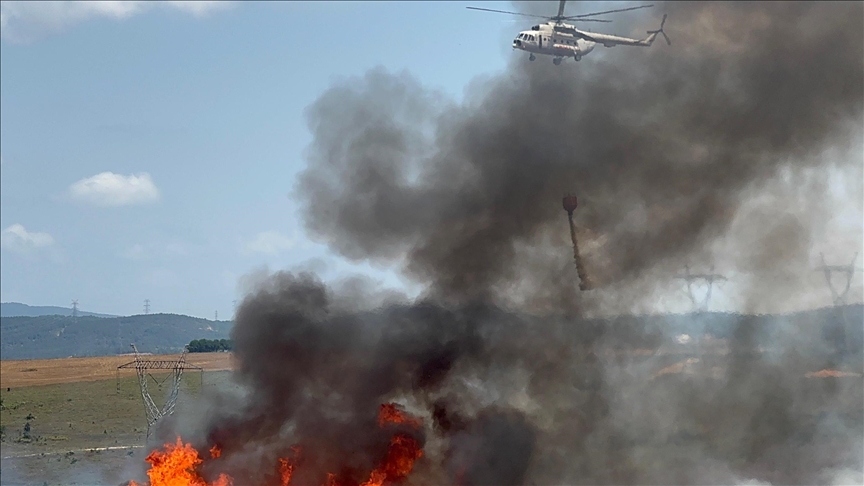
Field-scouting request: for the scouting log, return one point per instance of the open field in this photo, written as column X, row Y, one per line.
column 89, row 432
column 88, row 428
column 34, row 372
column 87, row 424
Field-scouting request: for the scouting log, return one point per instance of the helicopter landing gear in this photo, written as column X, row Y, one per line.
column 531, row 57
column 556, row 61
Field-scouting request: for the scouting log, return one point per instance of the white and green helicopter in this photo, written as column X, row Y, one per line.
column 560, row 40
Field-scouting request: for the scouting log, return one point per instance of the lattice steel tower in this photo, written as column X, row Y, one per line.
column 847, row 270
column 708, row 278
column 143, row 368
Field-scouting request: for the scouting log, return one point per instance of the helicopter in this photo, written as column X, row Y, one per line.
column 560, row 40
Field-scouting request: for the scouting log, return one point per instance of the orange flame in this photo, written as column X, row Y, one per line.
column 177, row 464
column 390, row 413
column 404, row 450
column 286, row 470
column 176, row 467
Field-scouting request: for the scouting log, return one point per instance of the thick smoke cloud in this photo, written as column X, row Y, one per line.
column 662, row 145
column 515, row 382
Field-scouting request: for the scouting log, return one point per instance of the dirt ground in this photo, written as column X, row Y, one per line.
column 23, row 373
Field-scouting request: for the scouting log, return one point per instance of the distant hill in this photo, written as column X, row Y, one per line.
column 15, row 309
column 64, row 336
column 60, row 336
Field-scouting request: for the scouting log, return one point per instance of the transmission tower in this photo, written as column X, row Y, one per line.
column 146, row 306
column 143, row 368
column 847, row 270
column 74, row 308
column 216, row 315
column 708, row 278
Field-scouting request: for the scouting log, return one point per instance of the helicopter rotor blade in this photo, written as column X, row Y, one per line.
column 574, row 17
column 561, row 9
column 505, row 12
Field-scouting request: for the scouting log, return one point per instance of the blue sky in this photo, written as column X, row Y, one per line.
column 149, row 150
column 204, row 108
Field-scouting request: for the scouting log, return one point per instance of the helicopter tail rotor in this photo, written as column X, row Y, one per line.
column 660, row 31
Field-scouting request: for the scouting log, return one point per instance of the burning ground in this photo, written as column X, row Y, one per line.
column 503, row 375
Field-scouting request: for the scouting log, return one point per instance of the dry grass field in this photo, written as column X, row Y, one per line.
column 35, row 372
column 90, row 432
column 78, row 412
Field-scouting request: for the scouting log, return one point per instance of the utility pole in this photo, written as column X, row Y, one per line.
column 146, row 306
column 75, row 308
column 708, row 278
column 847, row 270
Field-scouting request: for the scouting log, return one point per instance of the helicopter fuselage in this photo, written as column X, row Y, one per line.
column 545, row 40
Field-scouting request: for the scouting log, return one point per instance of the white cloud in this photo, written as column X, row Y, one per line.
column 109, row 189
column 198, row 9
column 26, row 21
column 16, row 238
column 269, row 243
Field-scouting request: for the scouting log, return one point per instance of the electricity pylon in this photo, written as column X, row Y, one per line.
column 847, row 270
column 708, row 278
column 143, row 368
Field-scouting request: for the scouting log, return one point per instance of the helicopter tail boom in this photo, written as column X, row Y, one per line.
column 613, row 40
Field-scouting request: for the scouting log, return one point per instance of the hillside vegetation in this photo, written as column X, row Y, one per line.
column 16, row 309
column 64, row 336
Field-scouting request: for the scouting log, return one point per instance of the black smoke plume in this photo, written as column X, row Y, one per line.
column 662, row 145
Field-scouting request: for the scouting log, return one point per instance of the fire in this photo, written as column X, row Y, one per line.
column 175, row 466
column 177, row 463
column 286, row 470
column 831, row 374
column 404, row 450
column 391, row 414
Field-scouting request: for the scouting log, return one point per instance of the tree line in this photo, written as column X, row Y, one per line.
column 210, row 345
